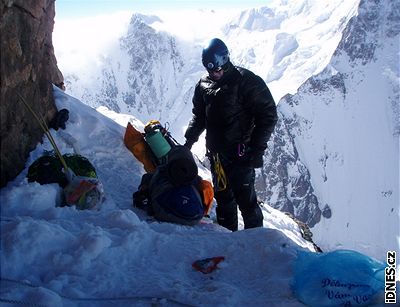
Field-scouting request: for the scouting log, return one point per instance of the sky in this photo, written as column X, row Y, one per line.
column 78, row 8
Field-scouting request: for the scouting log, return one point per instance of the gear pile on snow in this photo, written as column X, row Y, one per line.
column 82, row 189
column 48, row 169
column 171, row 190
column 86, row 191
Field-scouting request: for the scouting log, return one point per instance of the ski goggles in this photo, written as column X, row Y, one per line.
column 217, row 69
column 211, row 68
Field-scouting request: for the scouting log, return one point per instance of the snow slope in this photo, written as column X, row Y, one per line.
column 345, row 124
column 60, row 256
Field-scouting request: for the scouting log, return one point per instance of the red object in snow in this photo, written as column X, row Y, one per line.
column 207, row 265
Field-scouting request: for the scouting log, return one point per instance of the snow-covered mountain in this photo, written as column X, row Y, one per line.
column 288, row 41
column 344, row 125
column 117, row 255
column 148, row 74
column 333, row 162
column 151, row 72
column 285, row 181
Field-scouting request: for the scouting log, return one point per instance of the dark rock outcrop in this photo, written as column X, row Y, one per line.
column 28, row 67
column 284, row 181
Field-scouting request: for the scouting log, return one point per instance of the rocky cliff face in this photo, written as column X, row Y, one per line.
column 285, row 182
column 28, row 68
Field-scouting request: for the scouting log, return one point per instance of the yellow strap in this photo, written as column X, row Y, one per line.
column 220, row 174
column 153, row 122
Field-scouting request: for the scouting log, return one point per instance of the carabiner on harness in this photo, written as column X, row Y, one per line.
column 241, row 148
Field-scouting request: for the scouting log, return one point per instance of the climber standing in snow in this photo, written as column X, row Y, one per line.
column 238, row 112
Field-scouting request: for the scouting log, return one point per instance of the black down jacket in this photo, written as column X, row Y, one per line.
column 238, row 109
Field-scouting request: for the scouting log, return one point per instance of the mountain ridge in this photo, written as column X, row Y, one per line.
column 339, row 129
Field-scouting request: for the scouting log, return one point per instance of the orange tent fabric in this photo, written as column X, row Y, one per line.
column 207, row 194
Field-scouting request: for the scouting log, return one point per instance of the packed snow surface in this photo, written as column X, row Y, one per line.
column 58, row 256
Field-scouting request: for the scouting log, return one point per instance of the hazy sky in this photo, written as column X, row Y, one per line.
column 85, row 30
column 81, row 8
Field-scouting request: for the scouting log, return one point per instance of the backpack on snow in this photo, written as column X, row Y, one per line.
column 173, row 192
column 48, row 168
column 85, row 191
column 182, row 204
column 156, row 147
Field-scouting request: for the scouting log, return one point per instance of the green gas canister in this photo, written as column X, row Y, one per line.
column 158, row 144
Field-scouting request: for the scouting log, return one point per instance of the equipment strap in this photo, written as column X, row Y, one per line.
column 221, row 181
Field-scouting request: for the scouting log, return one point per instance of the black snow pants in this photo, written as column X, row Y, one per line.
column 239, row 192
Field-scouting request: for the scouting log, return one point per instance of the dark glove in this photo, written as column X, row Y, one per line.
column 59, row 119
column 188, row 144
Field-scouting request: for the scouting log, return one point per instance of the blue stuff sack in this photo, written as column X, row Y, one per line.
column 183, row 201
column 338, row 278
column 180, row 204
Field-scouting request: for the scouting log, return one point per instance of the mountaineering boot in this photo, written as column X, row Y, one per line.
column 253, row 218
column 227, row 215
column 228, row 222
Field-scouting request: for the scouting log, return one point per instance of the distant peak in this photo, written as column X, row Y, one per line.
column 147, row 19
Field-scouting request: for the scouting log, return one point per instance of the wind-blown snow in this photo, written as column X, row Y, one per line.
column 59, row 256
column 86, row 55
